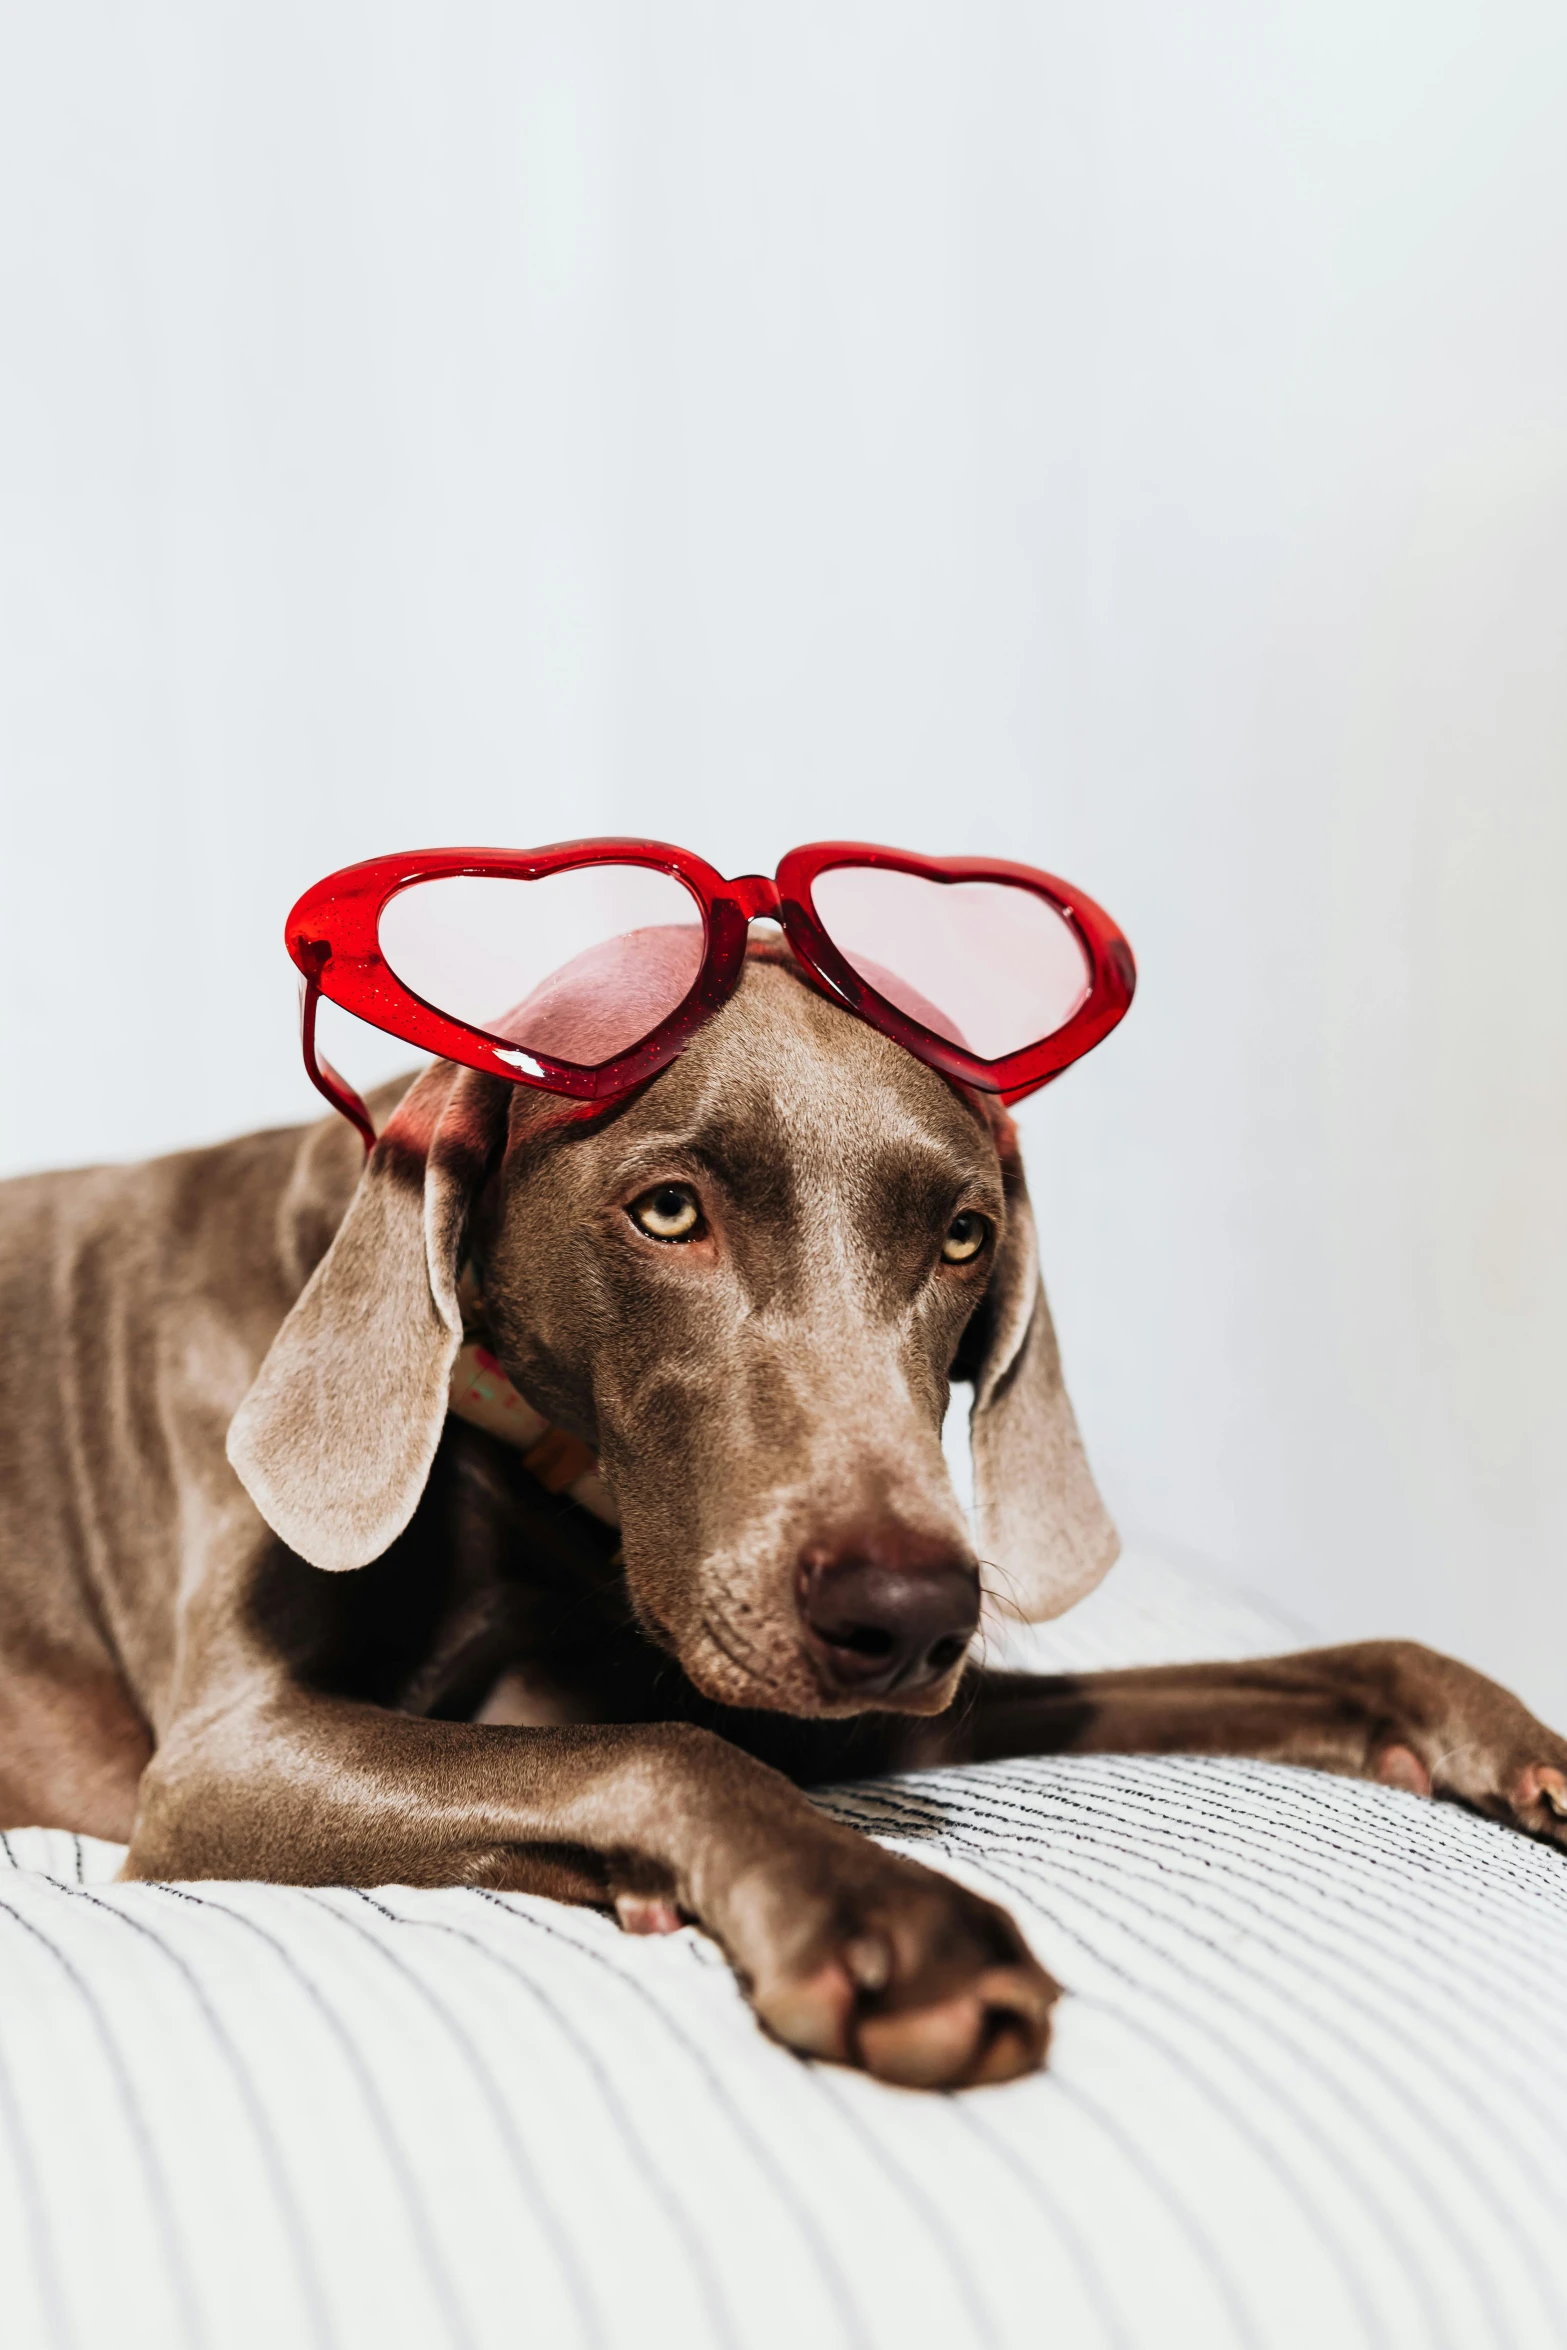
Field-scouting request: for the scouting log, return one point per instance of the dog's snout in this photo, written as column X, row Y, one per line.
column 879, row 1624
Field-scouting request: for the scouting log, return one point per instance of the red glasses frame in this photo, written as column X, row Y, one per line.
column 333, row 935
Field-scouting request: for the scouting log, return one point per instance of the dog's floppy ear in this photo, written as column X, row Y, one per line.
column 1045, row 1534
column 334, row 1441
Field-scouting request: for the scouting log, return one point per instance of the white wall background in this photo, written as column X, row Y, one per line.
column 1132, row 438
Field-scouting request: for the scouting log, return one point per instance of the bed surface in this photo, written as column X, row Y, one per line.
column 1310, row 2087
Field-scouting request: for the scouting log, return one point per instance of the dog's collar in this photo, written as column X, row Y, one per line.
column 481, row 1393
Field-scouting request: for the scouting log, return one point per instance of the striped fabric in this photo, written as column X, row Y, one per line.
column 1310, row 2088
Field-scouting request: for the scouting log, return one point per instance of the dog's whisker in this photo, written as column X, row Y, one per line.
column 991, row 1593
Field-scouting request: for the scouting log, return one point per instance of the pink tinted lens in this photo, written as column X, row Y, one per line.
column 579, row 966
column 986, row 965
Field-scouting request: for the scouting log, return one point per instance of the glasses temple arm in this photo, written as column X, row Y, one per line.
column 320, row 1071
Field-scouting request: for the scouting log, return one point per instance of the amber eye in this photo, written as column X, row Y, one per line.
column 670, row 1211
column 966, row 1236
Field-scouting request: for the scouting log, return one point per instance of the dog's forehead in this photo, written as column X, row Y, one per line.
column 783, row 1066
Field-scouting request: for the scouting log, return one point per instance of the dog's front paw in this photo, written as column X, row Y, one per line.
column 858, row 1955
column 1473, row 1742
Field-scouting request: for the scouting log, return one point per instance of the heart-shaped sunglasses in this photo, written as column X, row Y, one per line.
column 585, row 967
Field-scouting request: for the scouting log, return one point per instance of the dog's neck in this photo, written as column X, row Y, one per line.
column 480, row 1392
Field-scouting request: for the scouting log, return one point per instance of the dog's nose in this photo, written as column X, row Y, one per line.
column 876, row 1625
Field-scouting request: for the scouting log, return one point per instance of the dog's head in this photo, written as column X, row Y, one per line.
column 748, row 1288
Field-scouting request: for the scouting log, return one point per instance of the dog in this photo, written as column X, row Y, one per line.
column 271, row 1608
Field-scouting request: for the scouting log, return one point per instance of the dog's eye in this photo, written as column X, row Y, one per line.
column 668, row 1212
column 966, row 1236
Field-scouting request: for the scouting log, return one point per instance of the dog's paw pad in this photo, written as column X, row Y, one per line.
column 924, row 2048
column 647, row 1913
column 812, row 2014
column 1400, row 1766
column 994, row 2030
column 1542, row 1784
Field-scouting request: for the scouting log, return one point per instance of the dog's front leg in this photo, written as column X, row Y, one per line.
column 1387, row 1710
column 845, row 1950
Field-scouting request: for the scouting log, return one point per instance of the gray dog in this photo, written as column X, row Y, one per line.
column 745, row 1288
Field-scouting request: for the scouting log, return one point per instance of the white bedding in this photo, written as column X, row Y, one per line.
column 1310, row 2088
